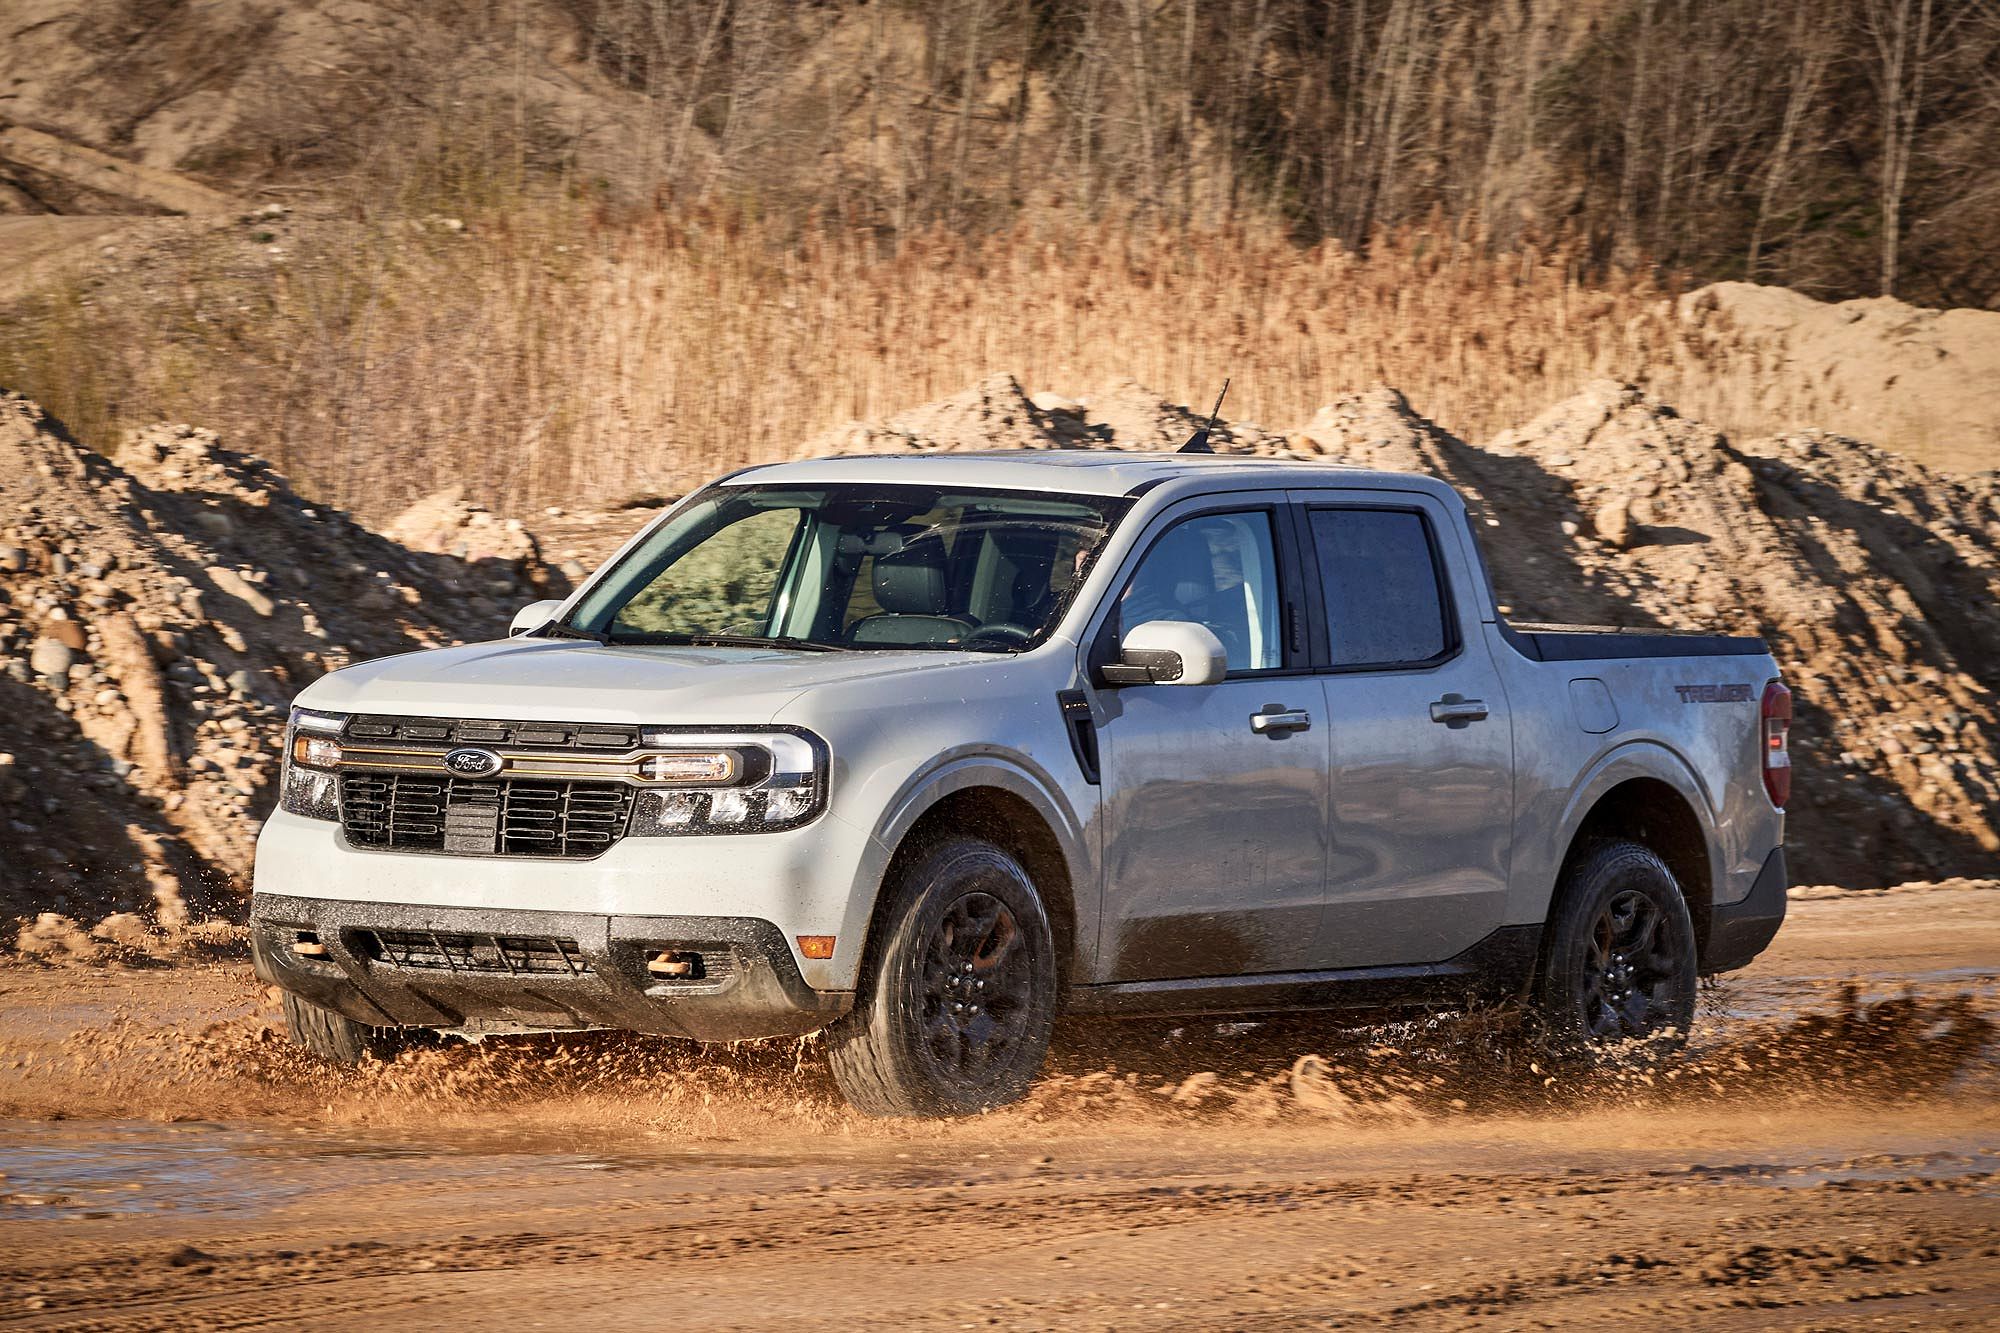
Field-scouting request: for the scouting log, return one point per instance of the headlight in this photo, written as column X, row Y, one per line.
column 309, row 786
column 748, row 782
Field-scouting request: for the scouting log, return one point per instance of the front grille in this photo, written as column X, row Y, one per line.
column 505, row 817
column 579, row 736
column 447, row 951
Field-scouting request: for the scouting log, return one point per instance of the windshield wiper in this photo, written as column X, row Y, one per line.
column 557, row 629
column 729, row 641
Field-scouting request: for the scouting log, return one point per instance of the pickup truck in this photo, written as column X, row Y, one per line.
column 926, row 750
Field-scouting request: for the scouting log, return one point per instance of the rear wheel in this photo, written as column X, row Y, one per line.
column 336, row 1037
column 955, row 1010
column 1619, row 976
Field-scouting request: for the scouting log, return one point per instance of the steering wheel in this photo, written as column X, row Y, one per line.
column 1001, row 634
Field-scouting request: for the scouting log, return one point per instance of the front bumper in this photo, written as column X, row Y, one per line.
column 409, row 965
column 802, row 880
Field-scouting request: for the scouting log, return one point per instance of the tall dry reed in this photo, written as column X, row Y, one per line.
column 545, row 355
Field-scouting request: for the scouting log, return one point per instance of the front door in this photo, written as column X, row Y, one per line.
column 1215, row 795
column 1422, row 749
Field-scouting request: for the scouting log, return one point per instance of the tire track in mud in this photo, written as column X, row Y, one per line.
column 252, row 1283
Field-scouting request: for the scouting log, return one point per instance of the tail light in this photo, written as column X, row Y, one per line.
column 1774, row 735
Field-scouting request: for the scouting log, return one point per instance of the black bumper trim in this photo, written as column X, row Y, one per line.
column 1496, row 970
column 761, row 995
column 1738, row 932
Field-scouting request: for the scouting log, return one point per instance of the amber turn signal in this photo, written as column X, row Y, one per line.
column 816, row 946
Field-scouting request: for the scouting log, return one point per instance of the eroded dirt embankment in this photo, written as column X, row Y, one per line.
column 1832, row 1150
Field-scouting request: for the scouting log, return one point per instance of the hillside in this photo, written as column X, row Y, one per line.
column 1843, row 150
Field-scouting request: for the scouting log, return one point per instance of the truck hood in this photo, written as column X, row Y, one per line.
column 574, row 681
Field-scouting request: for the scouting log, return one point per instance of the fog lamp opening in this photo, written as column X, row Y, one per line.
column 683, row 964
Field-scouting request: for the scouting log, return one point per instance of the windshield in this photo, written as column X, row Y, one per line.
column 854, row 567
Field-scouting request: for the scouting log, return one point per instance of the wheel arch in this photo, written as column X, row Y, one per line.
column 1006, row 805
column 1646, row 795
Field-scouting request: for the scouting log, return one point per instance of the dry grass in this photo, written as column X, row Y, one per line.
column 547, row 355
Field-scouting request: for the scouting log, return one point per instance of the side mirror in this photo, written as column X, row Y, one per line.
column 533, row 616
column 1168, row 652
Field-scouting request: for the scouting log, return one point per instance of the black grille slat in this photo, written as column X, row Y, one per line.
column 573, row 736
column 451, row 951
column 506, row 817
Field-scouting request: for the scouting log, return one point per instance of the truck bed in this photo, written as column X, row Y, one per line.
column 1586, row 643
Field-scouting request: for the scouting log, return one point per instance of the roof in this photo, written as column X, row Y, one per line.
column 1077, row 471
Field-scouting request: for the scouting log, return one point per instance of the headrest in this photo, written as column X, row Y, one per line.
column 911, row 582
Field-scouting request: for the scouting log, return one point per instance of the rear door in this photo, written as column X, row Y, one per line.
column 1422, row 750
column 1214, row 795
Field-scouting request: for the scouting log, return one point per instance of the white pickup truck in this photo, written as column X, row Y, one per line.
column 926, row 750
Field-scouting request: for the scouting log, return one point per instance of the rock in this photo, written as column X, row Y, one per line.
column 13, row 559
column 1056, row 403
column 52, row 658
column 67, row 633
column 242, row 589
column 1613, row 521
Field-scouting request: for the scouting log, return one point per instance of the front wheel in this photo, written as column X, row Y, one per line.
column 956, row 1008
column 1618, row 979
column 336, row 1037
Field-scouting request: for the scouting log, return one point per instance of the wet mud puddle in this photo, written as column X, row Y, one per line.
column 101, row 1169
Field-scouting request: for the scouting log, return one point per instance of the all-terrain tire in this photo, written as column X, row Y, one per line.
column 957, row 1002
column 1618, row 972
column 337, row 1037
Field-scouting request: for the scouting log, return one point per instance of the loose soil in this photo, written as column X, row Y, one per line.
column 1826, row 1159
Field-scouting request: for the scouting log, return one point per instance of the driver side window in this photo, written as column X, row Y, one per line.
column 1219, row 571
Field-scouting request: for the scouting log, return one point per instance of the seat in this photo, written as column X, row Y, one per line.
column 911, row 588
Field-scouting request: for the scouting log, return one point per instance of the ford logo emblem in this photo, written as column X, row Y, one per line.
column 469, row 763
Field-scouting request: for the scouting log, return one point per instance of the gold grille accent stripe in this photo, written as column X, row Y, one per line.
column 616, row 768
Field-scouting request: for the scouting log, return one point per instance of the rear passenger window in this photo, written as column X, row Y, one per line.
column 1380, row 577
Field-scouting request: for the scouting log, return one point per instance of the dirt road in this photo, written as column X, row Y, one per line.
column 1827, row 1161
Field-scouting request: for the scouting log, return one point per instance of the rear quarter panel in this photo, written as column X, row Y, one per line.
column 1702, row 743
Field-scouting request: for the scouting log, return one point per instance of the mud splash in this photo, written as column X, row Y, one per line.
column 1855, row 1051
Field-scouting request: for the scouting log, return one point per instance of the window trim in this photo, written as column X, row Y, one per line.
column 1322, row 620
column 1293, row 611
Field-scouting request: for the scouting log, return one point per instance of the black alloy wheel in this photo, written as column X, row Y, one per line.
column 957, row 998
column 1618, row 974
column 978, row 999
column 1629, row 977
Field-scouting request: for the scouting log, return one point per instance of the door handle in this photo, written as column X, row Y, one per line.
column 1279, row 721
column 1455, row 710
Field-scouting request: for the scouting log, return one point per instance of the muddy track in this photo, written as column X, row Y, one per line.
column 735, row 1192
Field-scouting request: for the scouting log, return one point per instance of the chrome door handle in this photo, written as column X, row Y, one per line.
column 1275, row 721
column 1455, row 710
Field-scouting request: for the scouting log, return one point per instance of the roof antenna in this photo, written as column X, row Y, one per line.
column 1198, row 442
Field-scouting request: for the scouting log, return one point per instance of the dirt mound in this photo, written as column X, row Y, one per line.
column 992, row 414
column 996, row 413
column 1870, row 577
column 446, row 523
column 1126, row 415
column 1927, row 379
column 155, row 619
